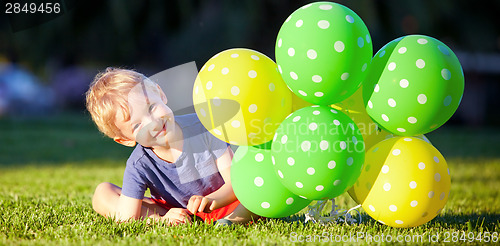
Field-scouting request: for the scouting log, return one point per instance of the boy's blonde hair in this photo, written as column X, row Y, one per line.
column 107, row 94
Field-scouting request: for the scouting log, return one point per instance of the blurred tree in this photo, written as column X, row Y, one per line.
column 167, row 33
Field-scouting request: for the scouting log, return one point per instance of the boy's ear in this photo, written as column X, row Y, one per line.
column 124, row 141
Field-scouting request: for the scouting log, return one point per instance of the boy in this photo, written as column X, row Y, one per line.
column 186, row 169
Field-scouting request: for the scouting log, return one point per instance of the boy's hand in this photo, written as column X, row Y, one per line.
column 176, row 216
column 200, row 204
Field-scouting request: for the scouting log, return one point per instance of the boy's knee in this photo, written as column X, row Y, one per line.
column 102, row 192
column 103, row 188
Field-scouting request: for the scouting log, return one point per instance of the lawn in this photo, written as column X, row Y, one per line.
column 50, row 166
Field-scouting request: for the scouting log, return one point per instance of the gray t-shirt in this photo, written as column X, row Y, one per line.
column 194, row 173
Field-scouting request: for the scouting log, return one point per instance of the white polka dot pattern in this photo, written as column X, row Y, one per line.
column 258, row 187
column 412, row 76
column 326, row 21
column 411, row 176
column 318, row 163
column 227, row 95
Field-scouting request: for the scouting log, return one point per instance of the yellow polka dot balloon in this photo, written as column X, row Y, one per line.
column 240, row 97
column 298, row 103
column 385, row 135
column 405, row 182
column 354, row 107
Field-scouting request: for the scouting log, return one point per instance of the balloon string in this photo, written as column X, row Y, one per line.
column 336, row 215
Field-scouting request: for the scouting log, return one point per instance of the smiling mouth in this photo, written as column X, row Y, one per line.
column 164, row 129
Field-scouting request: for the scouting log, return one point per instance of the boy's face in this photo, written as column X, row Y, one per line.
column 151, row 120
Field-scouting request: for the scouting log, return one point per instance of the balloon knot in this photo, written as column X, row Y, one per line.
column 314, row 214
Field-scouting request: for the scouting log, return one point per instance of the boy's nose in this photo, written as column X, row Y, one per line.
column 150, row 124
column 153, row 125
column 157, row 124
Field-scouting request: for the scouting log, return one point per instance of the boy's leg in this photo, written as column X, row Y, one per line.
column 241, row 215
column 106, row 196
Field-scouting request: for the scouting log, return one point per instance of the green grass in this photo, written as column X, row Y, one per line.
column 49, row 168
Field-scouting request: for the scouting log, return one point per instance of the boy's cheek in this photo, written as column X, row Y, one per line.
column 146, row 136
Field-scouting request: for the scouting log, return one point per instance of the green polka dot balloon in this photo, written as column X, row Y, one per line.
column 257, row 187
column 318, row 152
column 415, row 84
column 323, row 51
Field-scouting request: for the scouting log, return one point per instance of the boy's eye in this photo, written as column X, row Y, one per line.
column 151, row 107
column 135, row 127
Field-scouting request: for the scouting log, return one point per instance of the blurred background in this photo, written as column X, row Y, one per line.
column 48, row 61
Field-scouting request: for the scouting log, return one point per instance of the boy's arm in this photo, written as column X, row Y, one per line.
column 221, row 197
